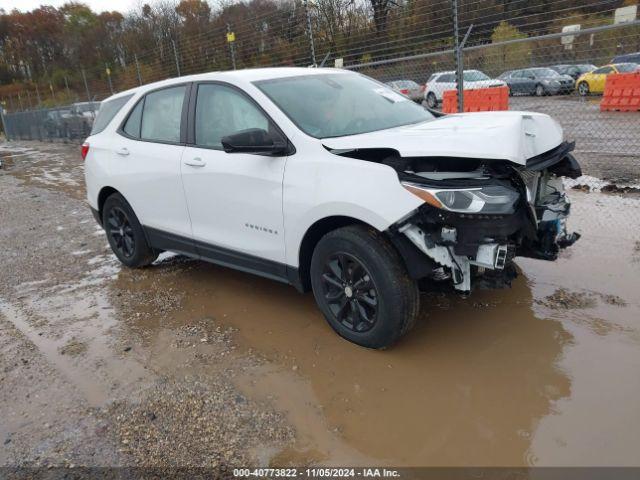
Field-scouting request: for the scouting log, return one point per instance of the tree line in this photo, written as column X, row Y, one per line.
column 59, row 48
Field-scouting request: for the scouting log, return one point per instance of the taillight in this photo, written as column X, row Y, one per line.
column 404, row 91
column 84, row 150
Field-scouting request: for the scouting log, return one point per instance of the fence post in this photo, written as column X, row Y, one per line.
column 86, row 85
column 458, row 51
column 108, row 70
column 4, row 123
column 135, row 57
column 310, row 30
column 175, row 54
column 231, row 40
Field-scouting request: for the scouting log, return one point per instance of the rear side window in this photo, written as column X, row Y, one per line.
column 158, row 116
column 107, row 111
column 162, row 114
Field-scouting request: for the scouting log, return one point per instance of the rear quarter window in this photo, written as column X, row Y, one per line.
column 107, row 111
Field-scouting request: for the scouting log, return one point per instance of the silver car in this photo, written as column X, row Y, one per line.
column 408, row 88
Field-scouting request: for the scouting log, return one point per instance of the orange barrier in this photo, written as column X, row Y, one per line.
column 621, row 93
column 480, row 100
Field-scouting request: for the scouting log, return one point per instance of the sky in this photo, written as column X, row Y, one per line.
column 96, row 5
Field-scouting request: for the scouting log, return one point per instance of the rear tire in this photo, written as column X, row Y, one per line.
column 125, row 234
column 362, row 287
column 432, row 101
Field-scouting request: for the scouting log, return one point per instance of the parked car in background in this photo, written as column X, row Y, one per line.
column 537, row 81
column 54, row 122
column 627, row 58
column 78, row 120
column 593, row 82
column 409, row 88
column 574, row 71
column 440, row 82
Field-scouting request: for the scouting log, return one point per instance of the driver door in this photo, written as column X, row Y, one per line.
column 234, row 199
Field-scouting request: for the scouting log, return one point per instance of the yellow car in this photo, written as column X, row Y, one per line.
column 593, row 82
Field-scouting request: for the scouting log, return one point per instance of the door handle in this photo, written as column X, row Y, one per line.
column 195, row 162
column 123, row 152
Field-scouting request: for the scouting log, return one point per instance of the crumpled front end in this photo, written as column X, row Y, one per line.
column 476, row 220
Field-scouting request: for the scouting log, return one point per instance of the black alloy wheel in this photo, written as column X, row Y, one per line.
column 350, row 292
column 119, row 229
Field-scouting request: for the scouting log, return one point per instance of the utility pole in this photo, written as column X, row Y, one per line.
column 86, row 85
column 458, row 49
column 310, row 31
column 135, row 57
column 175, row 54
column 231, row 40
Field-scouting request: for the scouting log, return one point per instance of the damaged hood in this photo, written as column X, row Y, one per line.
column 511, row 136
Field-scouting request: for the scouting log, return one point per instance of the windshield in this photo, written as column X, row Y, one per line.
column 544, row 72
column 626, row 67
column 334, row 105
column 586, row 68
column 474, row 76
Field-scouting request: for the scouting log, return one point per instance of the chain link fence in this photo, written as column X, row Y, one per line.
column 69, row 123
column 535, row 69
column 545, row 73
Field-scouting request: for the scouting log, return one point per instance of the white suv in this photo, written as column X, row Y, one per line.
column 283, row 173
column 440, row 82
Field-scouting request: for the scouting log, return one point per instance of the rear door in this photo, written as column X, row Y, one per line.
column 146, row 165
column 234, row 199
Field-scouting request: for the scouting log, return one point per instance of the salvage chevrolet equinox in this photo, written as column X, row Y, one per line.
column 329, row 181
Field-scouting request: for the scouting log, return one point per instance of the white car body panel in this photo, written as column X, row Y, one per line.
column 512, row 136
column 234, row 195
column 318, row 184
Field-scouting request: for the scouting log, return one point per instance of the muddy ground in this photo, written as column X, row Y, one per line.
column 190, row 364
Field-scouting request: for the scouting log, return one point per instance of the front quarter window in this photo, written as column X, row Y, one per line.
column 335, row 105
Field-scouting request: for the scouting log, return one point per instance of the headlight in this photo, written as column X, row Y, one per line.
column 490, row 199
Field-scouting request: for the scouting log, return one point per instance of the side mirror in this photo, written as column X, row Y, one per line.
column 253, row 140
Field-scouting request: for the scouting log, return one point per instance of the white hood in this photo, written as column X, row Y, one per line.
column 512, row 136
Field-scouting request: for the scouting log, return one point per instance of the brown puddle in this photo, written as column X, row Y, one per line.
column 474, row 376
column 480, row 381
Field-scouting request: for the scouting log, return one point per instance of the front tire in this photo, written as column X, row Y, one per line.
column 583, row 89
column 125, row 234
column 539, row 90
column 362, row 287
